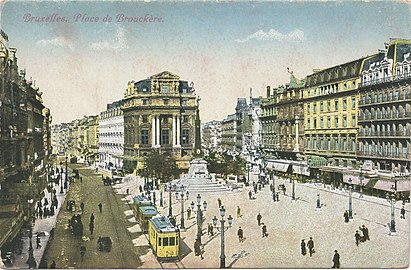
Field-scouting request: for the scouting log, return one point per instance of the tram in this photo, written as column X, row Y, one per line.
column 164, row 238
column 145, row 214
column 139, row 200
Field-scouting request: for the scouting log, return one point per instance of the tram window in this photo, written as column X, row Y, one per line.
column 159, row 241
column 165, row 241
column 172, row 241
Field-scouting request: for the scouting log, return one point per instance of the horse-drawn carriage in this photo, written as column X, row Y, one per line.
column 104, row 243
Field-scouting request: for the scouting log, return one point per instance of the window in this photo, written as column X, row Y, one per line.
column 353, row 103
column 144, row 89
column 184, row 102
column 336, row 121
column 328, row 122
column 308, row 144
column 145, row 101
column 315, row 123
column 345, row 145
column 145, row 119
column 353, row 145
column 329, row 105
column 315, row 144
column 165, row 101
column 164, row 89
column 315, row 107
column 308, row 124
column 165, row 241
column 344, row 104
column 308, row 108
column 336, row 104
column 186, row 118
column 345, row 121
column 321, row 106
column 184, row 91
column 160, row 241
column 172, row 241
column 329, row 144
column 144, row 136
column 337, row 145
column 353, row 121
column 185, row 136
column 322, row 122
column 165, row 136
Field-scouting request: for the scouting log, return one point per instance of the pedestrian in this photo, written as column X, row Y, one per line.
column 52, row 234
column 40, row 213
column 197, row 249
column 38, row 241
column 219, row 203
column 250, row 194
column 53, row 264
column 140, row 189
column 46, row 202
column 336, row 259
column 303, row 248
column 357, row 238
column 365, row 232
column 239, row 215
column 346, row 217
column 259, row 217
column 211, row 229
column 82, row 252
column 402, row 212
column 208, row 228
column 82, row 207
column 310, row 245
column 259, row 186
column 188, row 212
column 92, row 218
column 277, row 196
column 127, row 190
column 81, row 179
column 255, row 188
column 100, row 207
column 240, row 234
column 284, row 190
column 91, row 227
column 264, row 230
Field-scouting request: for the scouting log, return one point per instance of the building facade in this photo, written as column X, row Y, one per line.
column 211, row 136
column 111, row 136
column 159, row 113
column 229, row 134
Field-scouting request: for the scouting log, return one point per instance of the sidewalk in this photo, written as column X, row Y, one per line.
column 41, row 225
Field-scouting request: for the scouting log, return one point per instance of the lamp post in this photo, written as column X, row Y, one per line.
column 222, row 230
column 248, row 173
column 361, row 181
column 161, row 197
column 350, row 198
column 31, row 261
column 392, row 201
column 199, row 216
column 182, row 199
column 170, row 207
column 61, row 178
column 293, row 192
column 65, row 180
column 273, row 177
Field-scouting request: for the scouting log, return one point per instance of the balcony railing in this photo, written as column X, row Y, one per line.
column 401, row 97
column 386, row 116
column 386, row 154
column 385, row 133
column 386, row 79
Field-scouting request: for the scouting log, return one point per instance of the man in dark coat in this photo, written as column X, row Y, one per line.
column 336, row 259
column 91, row 227
column 310, row 245
column 264, row 230
column 250, row 194
column 100, row 207
column 303, row 249
column 82, row 207
column 346, row 217
column 259, row 219
column 92, row 217
column 403, row 213
column 240, row 234
column 197, row 249
column 357, row 238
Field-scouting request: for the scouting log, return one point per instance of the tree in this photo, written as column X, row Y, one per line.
column 161, row 166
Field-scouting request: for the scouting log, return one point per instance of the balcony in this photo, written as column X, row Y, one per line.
column 384, row 155
column 384, row 117
column 407, row 133
column 386, row 80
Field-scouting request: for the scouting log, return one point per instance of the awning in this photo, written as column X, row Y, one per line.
column 301, row 169
column 281, row 166
column 381, row 184
column 355, row 179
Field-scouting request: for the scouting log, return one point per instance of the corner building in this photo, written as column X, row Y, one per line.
column 159, row 113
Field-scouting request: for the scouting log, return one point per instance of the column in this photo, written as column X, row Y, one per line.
column 158, row 130
column 178, row 131
column 174, row 130
column 153, row 131
column 297, row 145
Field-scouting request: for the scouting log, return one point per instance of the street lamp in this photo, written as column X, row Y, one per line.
column 392, row 201
column 273, row 177
column 199, row 216
column 248, row 173
column 350, row 198
column 170, row 207
column 182, row 199
column 293, row 192
column 222, row 230
column 31, row 261
column 61, row 178
column 65, row 180
column 161, row 197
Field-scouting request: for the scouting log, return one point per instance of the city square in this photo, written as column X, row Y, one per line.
column 238, row 135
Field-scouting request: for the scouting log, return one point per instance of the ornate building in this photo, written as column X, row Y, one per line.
column 385, row 119
column 211, row 135
column 159, row 113
column 111, row 136
column 330, row 115
column 283, row 127
column 24, row 145
column 229, row 134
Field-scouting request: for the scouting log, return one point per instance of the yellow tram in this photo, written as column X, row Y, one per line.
column 139, row 200
column 145, row 214
column 164, row 238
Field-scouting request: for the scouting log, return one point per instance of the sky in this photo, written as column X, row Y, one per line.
column 225, row 48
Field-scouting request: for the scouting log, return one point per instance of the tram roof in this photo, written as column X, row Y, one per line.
column 148, row 210
column 162, row 224
column 140, row 199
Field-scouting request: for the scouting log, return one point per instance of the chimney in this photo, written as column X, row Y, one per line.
column 268, row 91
